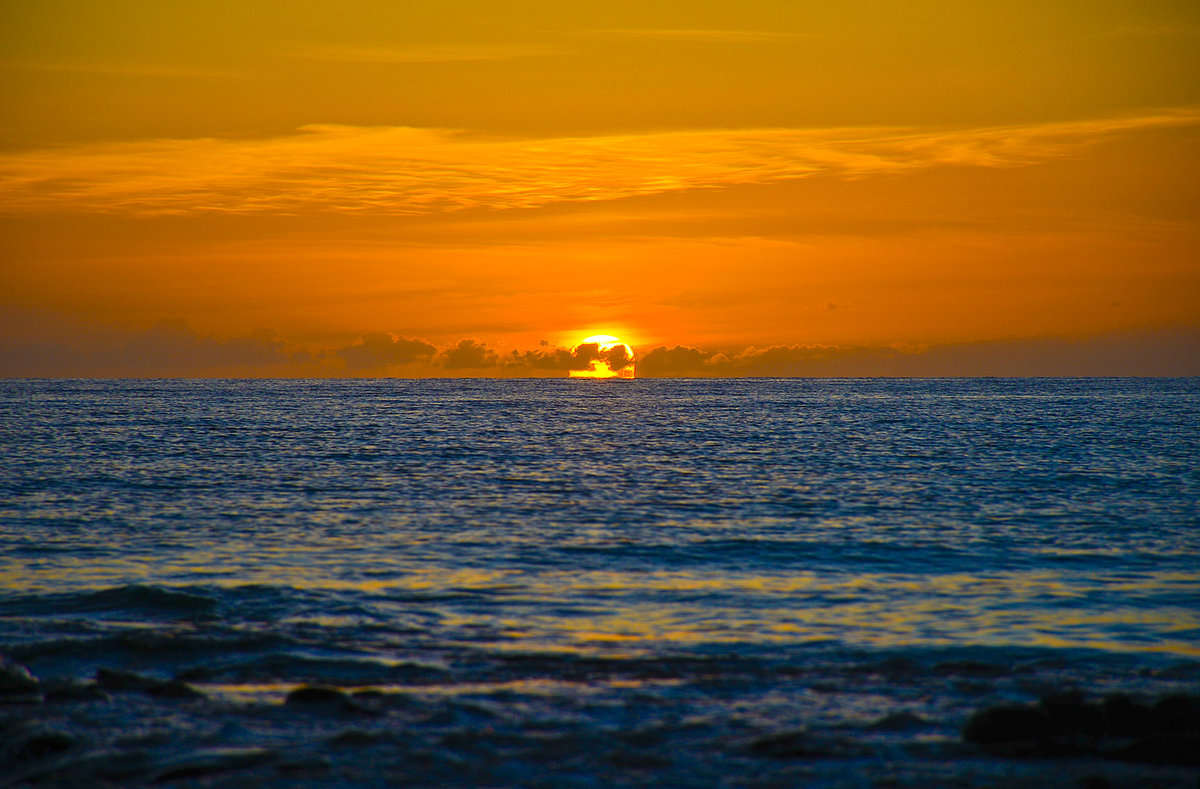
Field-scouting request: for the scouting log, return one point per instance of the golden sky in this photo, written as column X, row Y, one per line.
column 462, row 188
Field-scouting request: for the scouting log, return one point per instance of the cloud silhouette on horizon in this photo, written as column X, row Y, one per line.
column 39, row 345
column 679, row 360
column 468, row 355
column 380, row 349
column 1145, row 352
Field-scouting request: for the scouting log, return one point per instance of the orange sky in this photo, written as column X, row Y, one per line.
column 459, row 188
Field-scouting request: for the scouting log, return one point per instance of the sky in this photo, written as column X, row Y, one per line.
column 372, row 188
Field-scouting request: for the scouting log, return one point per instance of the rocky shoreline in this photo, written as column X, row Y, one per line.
column 121, row 728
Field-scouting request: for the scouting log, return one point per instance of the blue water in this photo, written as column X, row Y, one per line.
column 443, row 538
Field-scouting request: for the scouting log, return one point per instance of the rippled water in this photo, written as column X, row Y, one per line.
column 446, row 537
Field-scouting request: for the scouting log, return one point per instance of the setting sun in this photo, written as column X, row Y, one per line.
column 606, row 357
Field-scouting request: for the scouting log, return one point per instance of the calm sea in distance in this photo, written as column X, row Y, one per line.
column 563, row 582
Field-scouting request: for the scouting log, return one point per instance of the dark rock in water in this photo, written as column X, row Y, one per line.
column 26, row 743
column 1070, row 715
column 17, row 685
column 68, row 689
column 174, row 689
column 1093, row 782
column 1176, row 712
column 1040, row 732
column 1008, row 724
column 1065, row 724
column 971, row 668
column 113, row 679
column 789, row 745
column 1058, row 747
column 899, row 721
column 370, row 702
column 1163, row 748
column 317, row 695
column 1123, row 716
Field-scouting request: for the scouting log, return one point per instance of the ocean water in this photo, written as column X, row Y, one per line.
column 595, row 583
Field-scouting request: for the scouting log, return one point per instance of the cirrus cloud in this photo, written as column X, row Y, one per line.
column 402, row 170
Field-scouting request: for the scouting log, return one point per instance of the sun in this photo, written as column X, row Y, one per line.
column 602, row 356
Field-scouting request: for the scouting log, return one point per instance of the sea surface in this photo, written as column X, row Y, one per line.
column 592, row 583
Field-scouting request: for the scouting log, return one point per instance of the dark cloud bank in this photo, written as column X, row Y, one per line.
column 1162, row 352
column 48, row 348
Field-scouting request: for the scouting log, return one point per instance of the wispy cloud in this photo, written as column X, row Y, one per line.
column 123, row 69
column 1148, row 31
column 427, row 53
column 400, row 170
column 715, row 36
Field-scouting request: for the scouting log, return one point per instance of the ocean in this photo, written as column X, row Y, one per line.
column 587, row 583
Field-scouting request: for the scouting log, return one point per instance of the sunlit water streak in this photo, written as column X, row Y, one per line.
column 425, row 534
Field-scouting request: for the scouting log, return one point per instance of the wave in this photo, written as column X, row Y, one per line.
column 305, row 668
column 132, row 601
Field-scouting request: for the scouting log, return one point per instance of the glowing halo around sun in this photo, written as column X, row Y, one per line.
column 610, row 358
